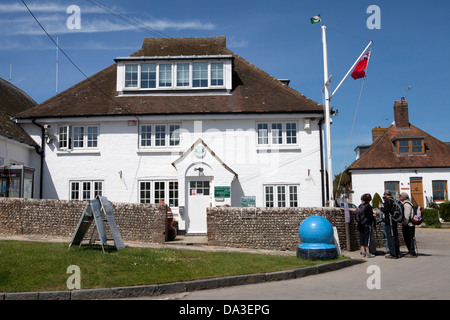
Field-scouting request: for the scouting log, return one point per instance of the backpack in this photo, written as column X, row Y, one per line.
column 397, row 210
column 417, row 217
column 360, row 216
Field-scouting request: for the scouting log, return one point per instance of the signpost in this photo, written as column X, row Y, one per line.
column 93, row 213
column 346, row 194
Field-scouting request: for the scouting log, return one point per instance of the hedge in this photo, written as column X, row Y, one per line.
column 431, row 218
column 444, row 210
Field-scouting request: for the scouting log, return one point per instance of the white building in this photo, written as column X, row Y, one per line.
column 403, row 158
column 185, row 121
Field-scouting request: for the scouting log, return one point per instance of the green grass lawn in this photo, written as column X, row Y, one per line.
column 35, row 266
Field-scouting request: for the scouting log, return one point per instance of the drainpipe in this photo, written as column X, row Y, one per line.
column 41, row 151
column 321, row 163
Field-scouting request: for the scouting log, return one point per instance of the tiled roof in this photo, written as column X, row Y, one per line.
column 13, row 100
column 254, row 91
column 382, row 153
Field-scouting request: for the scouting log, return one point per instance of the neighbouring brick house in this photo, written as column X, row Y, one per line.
column 185, row 121
column 403, row 158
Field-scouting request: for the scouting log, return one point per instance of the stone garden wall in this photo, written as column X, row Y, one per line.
column 275, row 228
column 136, row 222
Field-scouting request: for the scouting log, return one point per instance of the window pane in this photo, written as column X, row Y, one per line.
column 217, row 74
column 98, row 188
column 87, row 191
column 131, row 75
column 145, row 196
column 183, row 74
column 160, row 187
column 75, row 191
column 92, row 137
column 146, row 136
column 293, row 202
column 281, row 196
column 173, row 194
column 393, row 187
column 277, row 132
column 165, row 75
column 78, row 137
column 263, row 135
column 291, row 133
column 160, row 135
column 63, row 137
column 417, row 146
column 148, row 75
column 440, row 190
column 200, row 75
column 269, row 196
column 174, row 133
column 403, row 146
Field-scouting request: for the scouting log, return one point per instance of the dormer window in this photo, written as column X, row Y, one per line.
column 173, row 73
column 410, row 146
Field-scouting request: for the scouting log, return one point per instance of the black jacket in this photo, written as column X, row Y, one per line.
column 387, row 209
column 368, row 213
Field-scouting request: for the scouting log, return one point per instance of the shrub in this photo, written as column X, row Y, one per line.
column 444, row 210
column 431, row 218
column 376, row 200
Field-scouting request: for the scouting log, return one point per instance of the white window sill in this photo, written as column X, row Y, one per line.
column 78, row 151
column 160, row 150
column 277, row 147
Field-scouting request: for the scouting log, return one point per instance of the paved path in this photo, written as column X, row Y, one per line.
column 425, row 277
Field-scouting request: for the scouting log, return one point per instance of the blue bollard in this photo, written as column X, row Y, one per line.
column 317, row 237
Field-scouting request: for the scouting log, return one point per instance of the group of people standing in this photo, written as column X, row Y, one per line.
column 390, row 227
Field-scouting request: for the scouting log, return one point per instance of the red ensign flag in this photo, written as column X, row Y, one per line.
column 359, row 71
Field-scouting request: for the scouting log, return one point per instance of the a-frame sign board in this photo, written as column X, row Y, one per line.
column 93, row 212
column 109, row 214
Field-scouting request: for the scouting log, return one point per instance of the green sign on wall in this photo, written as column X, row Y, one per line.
column 248, row 201
column 222, row 192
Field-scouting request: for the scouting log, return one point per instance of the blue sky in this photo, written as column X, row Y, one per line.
column 410, row 51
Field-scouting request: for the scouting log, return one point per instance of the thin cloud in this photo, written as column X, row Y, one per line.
column 43, row 7
column 54, row 18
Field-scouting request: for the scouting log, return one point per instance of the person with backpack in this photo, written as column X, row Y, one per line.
column 365, row 220
column 389, row 209
column 408, row 228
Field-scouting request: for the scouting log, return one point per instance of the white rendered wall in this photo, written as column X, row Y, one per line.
column 372, row 181
column 121, row 165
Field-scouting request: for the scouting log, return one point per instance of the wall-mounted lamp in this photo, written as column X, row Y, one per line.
column 199, row 169
column 306, row 124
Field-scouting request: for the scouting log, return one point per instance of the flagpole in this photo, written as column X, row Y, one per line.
column 327, row 117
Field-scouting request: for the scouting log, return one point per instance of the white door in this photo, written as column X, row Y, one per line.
column 199, row 198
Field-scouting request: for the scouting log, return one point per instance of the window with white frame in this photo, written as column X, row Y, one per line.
column 160, row 135
column 78, row 137
column 85, row 190
column 174, row 75
column 277, row 133
column 281, row 195
column 161, row 190
column 131, row 75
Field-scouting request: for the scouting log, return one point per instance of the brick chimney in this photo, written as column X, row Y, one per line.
column 401, row 116
column 378, row 132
